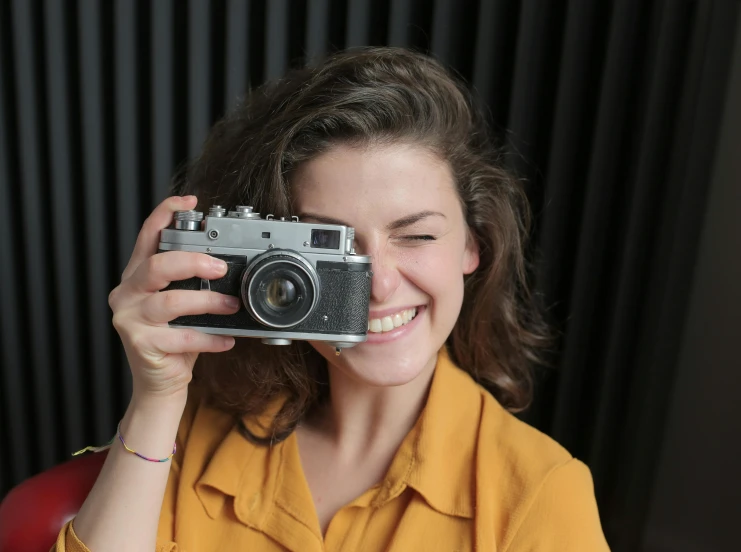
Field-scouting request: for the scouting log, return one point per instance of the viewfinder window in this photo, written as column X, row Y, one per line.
column 325, row 239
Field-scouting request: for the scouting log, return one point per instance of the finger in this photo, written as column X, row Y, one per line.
column 172, row 340
column 159, row 270
column 160, row 308
column 148, row 240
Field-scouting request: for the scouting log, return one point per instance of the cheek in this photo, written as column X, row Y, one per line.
column 435, row 271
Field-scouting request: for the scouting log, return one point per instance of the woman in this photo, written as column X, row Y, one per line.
column 395, row 444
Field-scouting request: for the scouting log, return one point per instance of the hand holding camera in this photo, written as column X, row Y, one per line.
column 192, row 285
column 161, row 358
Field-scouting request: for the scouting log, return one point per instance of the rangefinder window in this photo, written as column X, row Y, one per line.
column 325, row 239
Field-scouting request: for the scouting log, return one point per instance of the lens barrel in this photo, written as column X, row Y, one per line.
column 280, row 288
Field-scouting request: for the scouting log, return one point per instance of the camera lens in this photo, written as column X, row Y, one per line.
column 280, row 288
column 280, row 293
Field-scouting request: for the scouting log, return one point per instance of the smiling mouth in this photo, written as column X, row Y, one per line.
column 390, row 323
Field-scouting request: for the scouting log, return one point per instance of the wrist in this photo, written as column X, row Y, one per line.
column 159, row 403
column 150, row 427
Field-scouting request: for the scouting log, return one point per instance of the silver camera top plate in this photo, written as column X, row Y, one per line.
column 244, row 232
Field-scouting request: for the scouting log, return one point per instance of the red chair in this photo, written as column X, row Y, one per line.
column 32, row 514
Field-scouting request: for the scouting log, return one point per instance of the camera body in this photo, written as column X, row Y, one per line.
column 295, row 280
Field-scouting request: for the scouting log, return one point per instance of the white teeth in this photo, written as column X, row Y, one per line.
column 388, row 323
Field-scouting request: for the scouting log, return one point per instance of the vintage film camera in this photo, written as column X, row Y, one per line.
column 296, row 280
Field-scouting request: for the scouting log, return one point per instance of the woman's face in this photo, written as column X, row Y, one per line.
column 404, row 207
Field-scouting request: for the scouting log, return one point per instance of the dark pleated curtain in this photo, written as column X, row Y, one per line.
column 608, row 110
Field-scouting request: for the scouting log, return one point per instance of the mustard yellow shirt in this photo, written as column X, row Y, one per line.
column 468, row 476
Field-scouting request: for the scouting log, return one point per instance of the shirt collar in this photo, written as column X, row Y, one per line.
column 232, row 471
column 436, row 458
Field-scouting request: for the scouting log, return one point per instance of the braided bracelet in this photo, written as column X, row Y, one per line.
column 132, row 451
column 109, row 443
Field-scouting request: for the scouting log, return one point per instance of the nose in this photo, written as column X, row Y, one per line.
column 386, row 278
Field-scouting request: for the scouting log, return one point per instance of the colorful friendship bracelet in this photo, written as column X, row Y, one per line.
column 132, row 451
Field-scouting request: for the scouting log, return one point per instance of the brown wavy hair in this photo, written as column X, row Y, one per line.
column 364, row 97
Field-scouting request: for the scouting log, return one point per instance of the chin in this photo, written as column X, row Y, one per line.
column 376, row 367
column 389, row 359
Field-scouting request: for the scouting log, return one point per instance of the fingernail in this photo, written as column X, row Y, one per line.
column 218, row 264
column 232, row 302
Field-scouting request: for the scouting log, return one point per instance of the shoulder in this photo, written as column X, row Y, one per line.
column 501, row 436
column 513, row 458
column 531, row 491
column 525, row 448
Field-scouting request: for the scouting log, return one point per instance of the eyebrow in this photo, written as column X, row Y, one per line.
column 395, row 225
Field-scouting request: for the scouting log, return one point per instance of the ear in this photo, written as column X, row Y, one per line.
column 471, row 254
